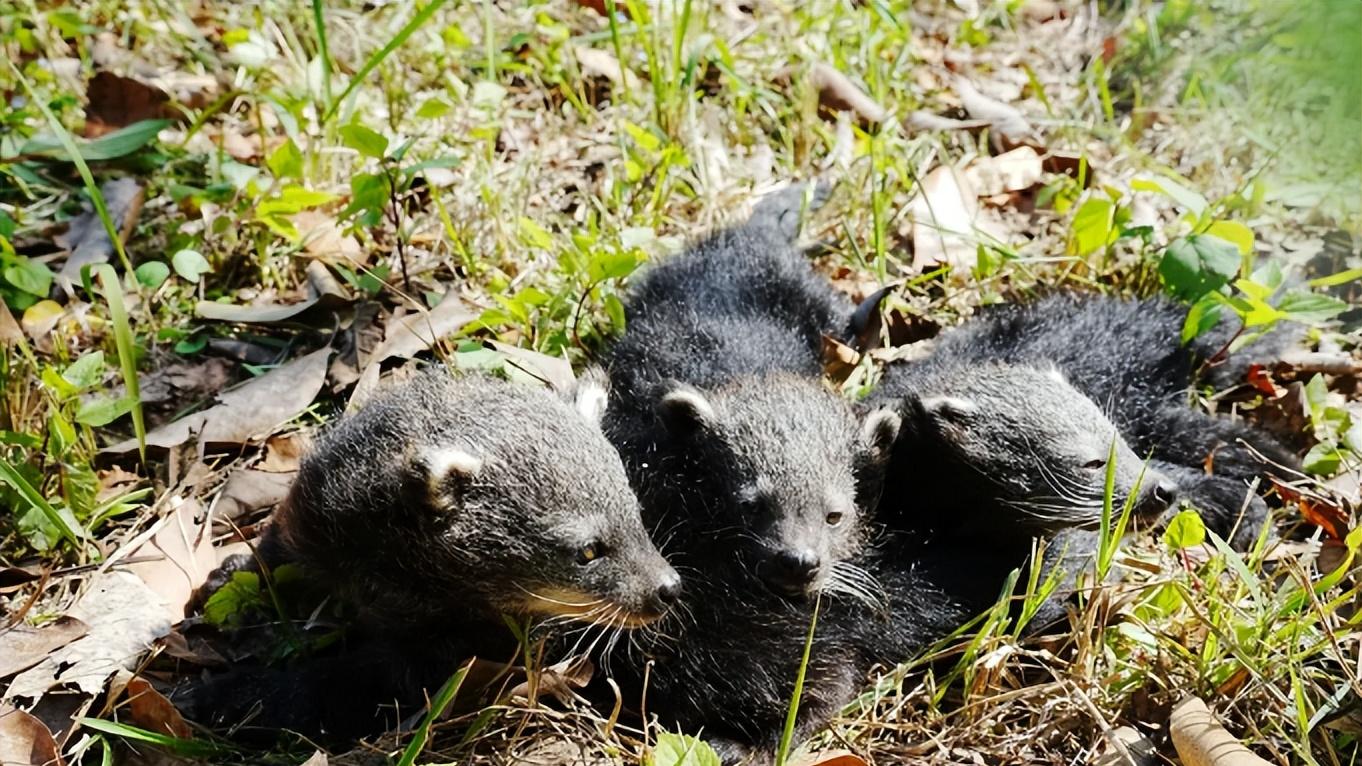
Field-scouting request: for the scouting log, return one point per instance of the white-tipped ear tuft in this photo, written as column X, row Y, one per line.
column 686, row 410
column 445, row 463
column 949, row 407
column 592, row 396
column 880, row 429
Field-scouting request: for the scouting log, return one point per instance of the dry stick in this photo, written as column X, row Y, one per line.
column 1201, row 741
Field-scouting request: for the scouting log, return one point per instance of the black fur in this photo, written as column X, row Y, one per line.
column 441, row 505
column 1054, row 382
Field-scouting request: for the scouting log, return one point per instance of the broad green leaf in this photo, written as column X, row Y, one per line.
column 33, row 277
column 86, row 371
column 535, row 235
column 119, row 143
column 365, row 141
column 1188, row 199
column 286, row 161
column 681, row 750
column 432, row 108
column 230, row 603
column 1092, row 226
column 1235, row 233
column 1198, row 264
column 102, row 410
column 1185, row 531
column 1311, row 307
column 190, row 265
column 152, row 273
column 1322, row 460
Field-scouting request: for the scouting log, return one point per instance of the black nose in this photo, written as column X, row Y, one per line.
column 792, row 570
column 1165, row 492
column 670, row 590
column 1160, row 496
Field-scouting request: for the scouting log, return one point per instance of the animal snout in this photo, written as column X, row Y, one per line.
column 791, row 571
column 1160, row 495
column 668, row 591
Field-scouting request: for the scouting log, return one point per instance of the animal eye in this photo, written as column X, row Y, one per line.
column 1093, row 465
column 589, row 553
column 834, row 518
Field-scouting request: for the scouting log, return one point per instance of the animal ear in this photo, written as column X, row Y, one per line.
column 954, row 410
column 685, row 411
column 444, row 471
column 879, row 430
column 591, row 395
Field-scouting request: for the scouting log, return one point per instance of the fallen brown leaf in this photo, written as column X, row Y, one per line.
column 85, row 238
column 925, row 121
column 250, row 411
column 554, row 371
column 1017, row 170
column 558, row 681
column 10, row 332
column 947, row 221
column 836, row 92
column 829, row 758
column 116, row 102
column 325, row 294
column 322, row 238
column 26, row 741
column 150, row 710
column 599, row 6
column 595, row 62
column 185, row 382
column 410, row 335
column 124, row 618
column 23, row 646
column 180, row 557
column 284, row 452
column 248, row 490
column 839, row 359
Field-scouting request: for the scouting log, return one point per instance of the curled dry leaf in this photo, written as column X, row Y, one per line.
column 124, row 617
column 322, row 238
column 85, row 238
column 1007, row 120
column 284, row 452
column 947, row 223
column 839, row 359
column 248, row 412
column 149, row 709
column 116, row 102
column 412, row 334
column 1016, row 170
column 26, row 741
column 325, row 295
column 837, row 93
column 10, row 332
column 177, row 558
column 921, row 120
column 1201, row 741
column 23, row 646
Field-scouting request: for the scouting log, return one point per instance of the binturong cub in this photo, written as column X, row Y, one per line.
column 1010, row 421
column 441, row 505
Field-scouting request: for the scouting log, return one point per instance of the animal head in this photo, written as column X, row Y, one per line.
column 539, row 519
column 775, row 465
column 1029, row 439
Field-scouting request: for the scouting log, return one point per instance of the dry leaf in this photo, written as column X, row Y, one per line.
column 1017, row 170
column 248, row 412
column 322, row 238
column 181, row 556
column 149, row 709
column 839, row 359
column 26, row 741
column 317, row 759
column 836, row 92
column 185, row 382
column 829, row 758
column 554, row 371
column 248, row 490
column 1006, row 120
column 599, row 6
column 558, row 680
column 116, row 102
column 599, row 63
column 23, row 646
column 925, row 121
column 10, row 332
column 1201, row 741
column 411, row 335
column 85, row 238
column 325, row 293
column 284, row 452
column 947, row 222
column 124, row 617
column 13, row 578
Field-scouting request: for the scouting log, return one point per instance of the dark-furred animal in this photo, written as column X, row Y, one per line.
column 1017, row 410
column 719, row 409
column 441, row 505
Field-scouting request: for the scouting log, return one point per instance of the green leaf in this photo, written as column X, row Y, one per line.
column 127, row 354
column 1202, row 317
column 1092, row 226
column 235, row 600
column 33, row 277
column 102, row 410
column 152, row 274
column 432, row 108
column 10, row 474
column 365, row 141
column 368, row 191
column 681, row 750
column 1341, row 278
column 1198, row 264
column 1186, row 530
column 86, row 371
column 1311, row 307
column 1180, row 194
column 1235, row 233
column 1322, row 460
column 535, row 235
column 190, row 265
column 109, row 146
column 286, row 161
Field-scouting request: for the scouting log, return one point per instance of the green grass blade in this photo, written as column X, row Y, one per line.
column 11, row 476
column 127, row 357
column 437, row 709
column 421, row 17
column 787, row 736
column 188, row 747
column 86, row 176
column 325, row 51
